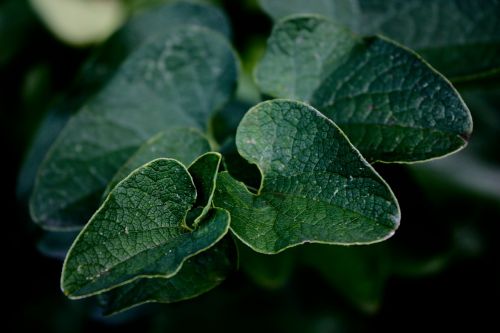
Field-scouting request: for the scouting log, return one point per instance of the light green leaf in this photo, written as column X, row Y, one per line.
column 181, row 144
column 198, row 275
column 178, row 79
column 461, row 38
column 139, row 231
column 316, row 187
column 390, row 103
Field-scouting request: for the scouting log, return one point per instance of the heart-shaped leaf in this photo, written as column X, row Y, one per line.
column 140, row 231
column 198, row 275
column 461, row 38
column 181, row 144
column 391, row 104
column 316, row 187
column 178, row 79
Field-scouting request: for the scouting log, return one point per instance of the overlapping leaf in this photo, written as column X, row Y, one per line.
column 461, row 38
column 177, row 79
column 197, row 276
column 140, row 231
column 316, row 187
column 391, row 104
column 181, row 144
column 102, row 65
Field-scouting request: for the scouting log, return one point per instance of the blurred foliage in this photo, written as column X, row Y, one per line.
column 441, row 267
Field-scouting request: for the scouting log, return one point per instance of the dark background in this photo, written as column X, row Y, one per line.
column 438, row 217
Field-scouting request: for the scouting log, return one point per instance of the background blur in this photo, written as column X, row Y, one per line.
column 440, row 270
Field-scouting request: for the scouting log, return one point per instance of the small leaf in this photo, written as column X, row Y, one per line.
column 461, row 38
column 178, row 79
column 198, row 275
column 138, row 231
column 391, row 104
column 204, row 172
column 181, row 144
column 316, row 187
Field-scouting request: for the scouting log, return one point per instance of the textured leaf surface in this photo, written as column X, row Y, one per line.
column 198, row 275
column 316, row 187
column 140, row 231
column 204, row 172
column 391, row 104
column 181, row 144
column 461, row 38
column 176, row 80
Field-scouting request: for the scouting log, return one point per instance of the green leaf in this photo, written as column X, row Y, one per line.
column 390, row 103
column 101, row 66
column 461, row 38
column 198, row 275
column 204, row 172
column 316, row 187
column 178, row 79
column 139, row 231
column 181, row 144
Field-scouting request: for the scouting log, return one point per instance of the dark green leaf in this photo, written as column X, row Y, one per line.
column 198, row 275
column 391, row 104
column 140, row 231
column 461, row 38
column 204, row 172
column 316, row 187
column 175, row 80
